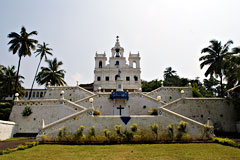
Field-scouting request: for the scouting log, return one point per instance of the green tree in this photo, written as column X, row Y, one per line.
column 7, row 82
column 232, row 68
column 211, row 84
column 22, row 44
column 169, row 72
column 51, row 74
column 216, row 53
column 43, row 51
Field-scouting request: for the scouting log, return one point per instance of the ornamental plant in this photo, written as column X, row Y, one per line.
column 170, row 131
column 153, row 111
column 27, row 111
column 154, row 128
column 181, row 129
column 107, row 133
column 206, row 131
column 96, row 113
column 79, row 132
column 92, row 132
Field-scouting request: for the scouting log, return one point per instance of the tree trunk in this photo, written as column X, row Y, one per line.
column 15, row 90
column 34, row 79
column 221, row 84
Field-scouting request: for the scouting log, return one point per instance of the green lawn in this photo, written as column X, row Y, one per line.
column 131, row 152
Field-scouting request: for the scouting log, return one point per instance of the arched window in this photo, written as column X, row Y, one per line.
column 100, row 64
column 117, row 63
column 116, row 77
column 134, row 64
column 135, row 78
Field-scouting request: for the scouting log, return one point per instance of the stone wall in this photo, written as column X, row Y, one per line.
column 108, row 122
column 137, row 104
column 169, row 94
column 73, row 93
column 49, row 110
column 221, row 113
column 6, row 129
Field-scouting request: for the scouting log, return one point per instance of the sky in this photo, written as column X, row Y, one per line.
column 166, row 33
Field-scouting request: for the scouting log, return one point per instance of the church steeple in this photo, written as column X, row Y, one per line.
column 117, row 50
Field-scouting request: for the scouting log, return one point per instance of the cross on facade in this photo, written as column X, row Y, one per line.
column 120, row 109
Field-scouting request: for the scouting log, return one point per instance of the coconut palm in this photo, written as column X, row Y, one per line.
column 51, row 74
column 214, row 58
column 43, row 51
column 169, row 72
column 232, row 68
column 22, row 44
column 7, row 81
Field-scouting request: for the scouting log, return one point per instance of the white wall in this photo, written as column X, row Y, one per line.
column 6, row 129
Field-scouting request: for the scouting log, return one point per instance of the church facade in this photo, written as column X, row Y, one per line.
column 106, row 74
column 117, row 95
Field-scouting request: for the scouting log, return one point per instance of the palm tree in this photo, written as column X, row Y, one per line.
column 43, row 51
column 51, row 74
column 214, row 58
column 7, row 81
column 232, row 68
column 22, row 44
column 169, row 72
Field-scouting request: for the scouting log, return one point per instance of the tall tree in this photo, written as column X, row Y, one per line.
column 232, row 68
column 22, row 44
column 215, row 60
column 51, row 74
column 169, row 72
column 43, row 51
column 7, row 81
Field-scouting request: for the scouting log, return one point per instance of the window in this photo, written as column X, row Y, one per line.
column 37, row 94
column 33, row 95
column 98, row 78
column 117, row 63
column 116, row 77
column 26, row 94
column 100, row 64
column 134, row 64
column 107, row 78
column 41, row 94
column 135, row 78
column 119, row 86
column 127, row 78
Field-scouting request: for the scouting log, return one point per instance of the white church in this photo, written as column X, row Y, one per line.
column 117, row 94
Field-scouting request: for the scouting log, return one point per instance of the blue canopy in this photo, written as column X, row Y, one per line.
column 119, row 95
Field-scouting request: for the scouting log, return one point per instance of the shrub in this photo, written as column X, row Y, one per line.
column 153, row 111
column 79, row 132
column 107, row 133
column 206, row 131
column 133, row 127
column 43, row 138
column 118, row 129
column 154, row 128
column 127, row 136
column 91, row 132
column 181, row 129
column 27, row 111
column 62, row 132
column 21, row 147
column 170, row 131
column 225, row 141
column 96, row 113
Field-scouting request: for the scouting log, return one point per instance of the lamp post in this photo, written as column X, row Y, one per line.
column 159, row 98
column 182, row 92
column 91, row 101
column 62, row 94
column 161, row 83
column 16, row 96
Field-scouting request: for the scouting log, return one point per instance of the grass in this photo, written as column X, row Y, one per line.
column 132, row 152
column 16, row 138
